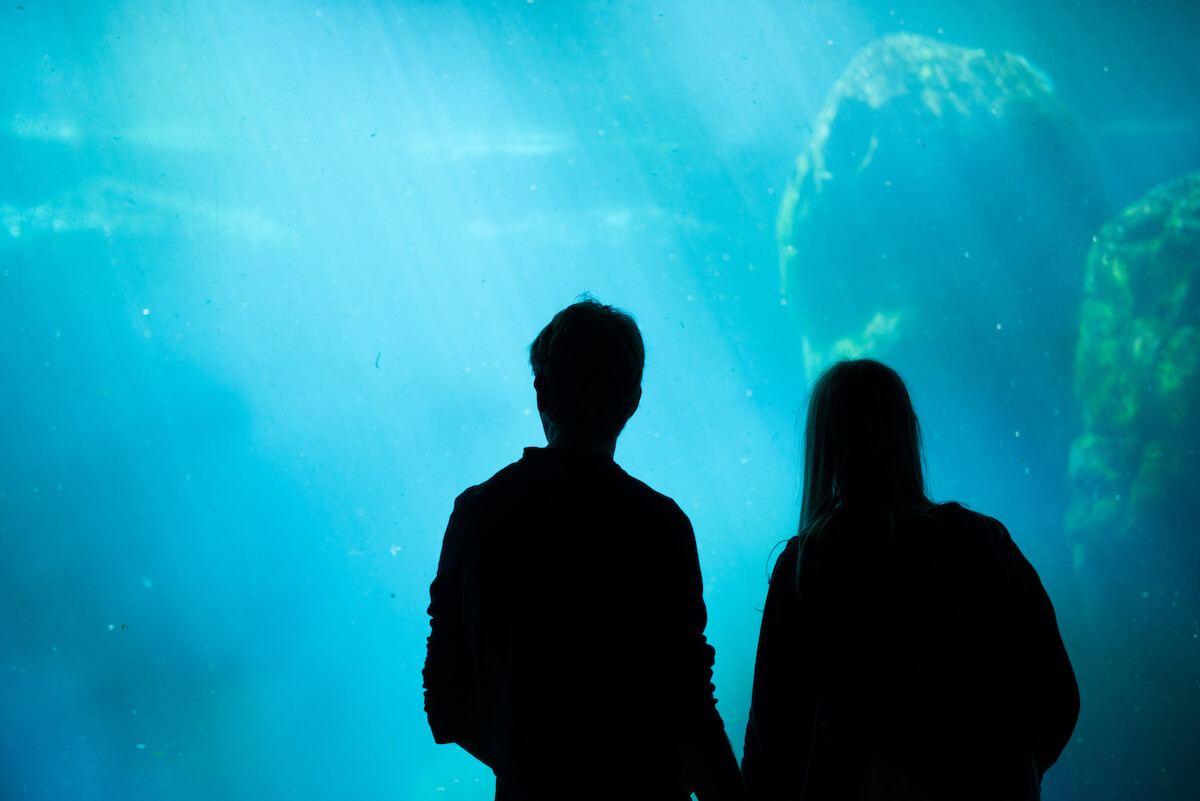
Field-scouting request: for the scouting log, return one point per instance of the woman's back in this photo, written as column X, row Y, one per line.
column 925, row 639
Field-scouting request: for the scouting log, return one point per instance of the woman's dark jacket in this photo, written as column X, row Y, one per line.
column 925, row 638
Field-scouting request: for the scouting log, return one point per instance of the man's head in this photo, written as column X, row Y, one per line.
column 587, row 369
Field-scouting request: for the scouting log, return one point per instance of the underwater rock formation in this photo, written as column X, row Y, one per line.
column 1133, row 486
column 1137, row 372
column 938, row 219
column 944, row 200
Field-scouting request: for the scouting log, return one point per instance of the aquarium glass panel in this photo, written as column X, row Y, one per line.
column 269, row 274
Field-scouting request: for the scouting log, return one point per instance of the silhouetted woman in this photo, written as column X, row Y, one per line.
column 907, row 648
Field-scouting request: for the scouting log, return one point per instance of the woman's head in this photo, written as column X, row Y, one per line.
column 862, row 442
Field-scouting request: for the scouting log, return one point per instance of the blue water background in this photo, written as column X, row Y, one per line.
column 269, row 273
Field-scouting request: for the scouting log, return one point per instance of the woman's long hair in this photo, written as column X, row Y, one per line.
column 862, row 445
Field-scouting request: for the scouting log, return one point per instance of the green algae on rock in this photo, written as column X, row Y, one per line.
column 1137, row 368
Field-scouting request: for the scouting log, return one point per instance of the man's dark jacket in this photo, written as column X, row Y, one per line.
column 926, row 639
column 567, row 647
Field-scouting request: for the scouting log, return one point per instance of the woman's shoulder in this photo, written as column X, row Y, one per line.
column 842, row 540
column 790, row 552
column 975, row 531
column 955, row 513
column 848, row 537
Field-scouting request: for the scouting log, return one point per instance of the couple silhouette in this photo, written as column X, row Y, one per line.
column 907, row 648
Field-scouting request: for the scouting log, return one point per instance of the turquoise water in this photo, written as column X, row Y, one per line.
column 269, row 272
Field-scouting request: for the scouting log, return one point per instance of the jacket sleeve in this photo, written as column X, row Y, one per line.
column 1056, row 690
column 449, row 672
column 707, row 756
column 783, row 713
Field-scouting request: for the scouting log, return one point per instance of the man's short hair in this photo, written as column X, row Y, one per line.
column 587, row 365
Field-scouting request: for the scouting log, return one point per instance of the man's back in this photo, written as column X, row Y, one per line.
column 568, row 632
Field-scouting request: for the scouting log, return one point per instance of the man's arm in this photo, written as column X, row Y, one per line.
column 449, row 672
column 707, row 756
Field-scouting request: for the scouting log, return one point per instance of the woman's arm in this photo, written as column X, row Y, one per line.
column 783, row 709
column 1057, row 699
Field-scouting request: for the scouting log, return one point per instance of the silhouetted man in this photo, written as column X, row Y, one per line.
column 567, row 648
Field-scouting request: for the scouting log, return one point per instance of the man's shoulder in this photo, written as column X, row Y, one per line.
column 534, row 476
column 498, row 482
column 651, row 498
